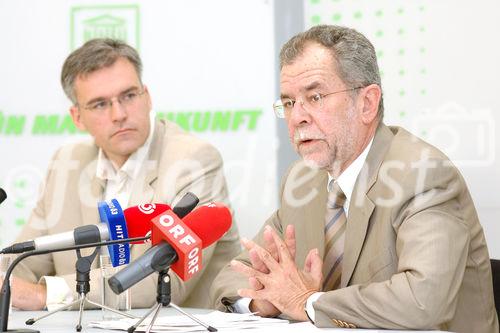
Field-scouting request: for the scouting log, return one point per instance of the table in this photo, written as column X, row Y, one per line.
column 65, row 321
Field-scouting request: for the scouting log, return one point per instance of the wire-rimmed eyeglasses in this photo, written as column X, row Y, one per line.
column 312, row 102
column 125, row 99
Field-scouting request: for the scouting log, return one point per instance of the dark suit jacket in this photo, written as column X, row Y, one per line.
column 177, row 163
column 415, row 255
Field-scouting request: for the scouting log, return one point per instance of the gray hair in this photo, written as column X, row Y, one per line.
column 94, row 55
column 355, row 56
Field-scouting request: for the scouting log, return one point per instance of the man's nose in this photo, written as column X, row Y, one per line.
column 299, row 114
column 118, row 112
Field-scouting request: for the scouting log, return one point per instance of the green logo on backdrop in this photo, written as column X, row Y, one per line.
column 113, row 21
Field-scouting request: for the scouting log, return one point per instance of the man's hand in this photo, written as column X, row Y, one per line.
column 262, row 307
column 26, row 295
column 284, row 286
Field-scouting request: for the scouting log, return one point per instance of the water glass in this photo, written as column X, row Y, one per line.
column 119, row 302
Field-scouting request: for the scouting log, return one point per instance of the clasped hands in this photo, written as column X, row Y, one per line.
column 277, row 285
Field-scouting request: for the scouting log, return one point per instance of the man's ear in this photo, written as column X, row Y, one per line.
column 371, row 95
column 76, row 117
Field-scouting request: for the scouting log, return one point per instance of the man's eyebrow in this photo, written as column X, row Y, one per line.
column 95, row 100
column 133, row 88
column 313, row 85
column 100, row 98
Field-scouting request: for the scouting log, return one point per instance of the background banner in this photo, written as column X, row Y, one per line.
column 211, row 67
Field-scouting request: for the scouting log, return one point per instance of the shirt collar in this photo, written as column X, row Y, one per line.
column 106, row 169
column 347, row 179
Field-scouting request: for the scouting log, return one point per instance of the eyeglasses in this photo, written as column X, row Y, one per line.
column 126, row 99
column 313, row 102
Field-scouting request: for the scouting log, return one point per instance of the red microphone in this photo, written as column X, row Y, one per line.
column 200, row 228
column 177, row 243
column 139, row 218
column 210, row 221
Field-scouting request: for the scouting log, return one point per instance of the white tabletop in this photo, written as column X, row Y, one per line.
column 65, row 321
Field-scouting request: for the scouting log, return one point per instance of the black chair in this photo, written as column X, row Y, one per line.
column 495, row 270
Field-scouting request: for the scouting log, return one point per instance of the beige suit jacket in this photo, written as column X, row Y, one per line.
column 177, row 163
column 415, row 254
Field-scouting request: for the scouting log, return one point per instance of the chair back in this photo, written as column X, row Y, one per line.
column 495, row 270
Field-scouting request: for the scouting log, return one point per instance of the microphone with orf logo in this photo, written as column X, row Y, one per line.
column 150, row 210
column 176, row 243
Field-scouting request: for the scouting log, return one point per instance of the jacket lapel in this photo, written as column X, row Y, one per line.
column 144, row 189
column 361, row 206
column 357, row 225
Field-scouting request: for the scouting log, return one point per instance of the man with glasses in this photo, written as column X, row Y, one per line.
column 376, row 228
column 133, row 158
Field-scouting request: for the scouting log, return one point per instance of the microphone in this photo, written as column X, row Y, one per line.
column 132, row 222
column 119, row 229
column 117, row 224
column 187, row 203
column 177, row 243
column 5, row 290
column 3, row 195
column 120, row 226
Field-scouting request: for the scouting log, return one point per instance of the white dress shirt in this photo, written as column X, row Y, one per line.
column 119, row 185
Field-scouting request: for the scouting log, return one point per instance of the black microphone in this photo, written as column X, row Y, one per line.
column 5, row 291
column 3, row 195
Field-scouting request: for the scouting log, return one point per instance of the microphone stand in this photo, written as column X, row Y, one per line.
column 83, row 286
column 163, row 299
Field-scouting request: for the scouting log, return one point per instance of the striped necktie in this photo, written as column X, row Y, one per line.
column 335, row 224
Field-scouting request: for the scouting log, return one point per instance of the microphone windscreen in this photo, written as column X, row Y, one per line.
column 209, row 222
column 111, row 213
column 138, row 218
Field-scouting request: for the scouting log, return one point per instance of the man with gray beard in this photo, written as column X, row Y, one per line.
column 376, row 228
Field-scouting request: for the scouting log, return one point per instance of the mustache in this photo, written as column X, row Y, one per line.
column 302, row 135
